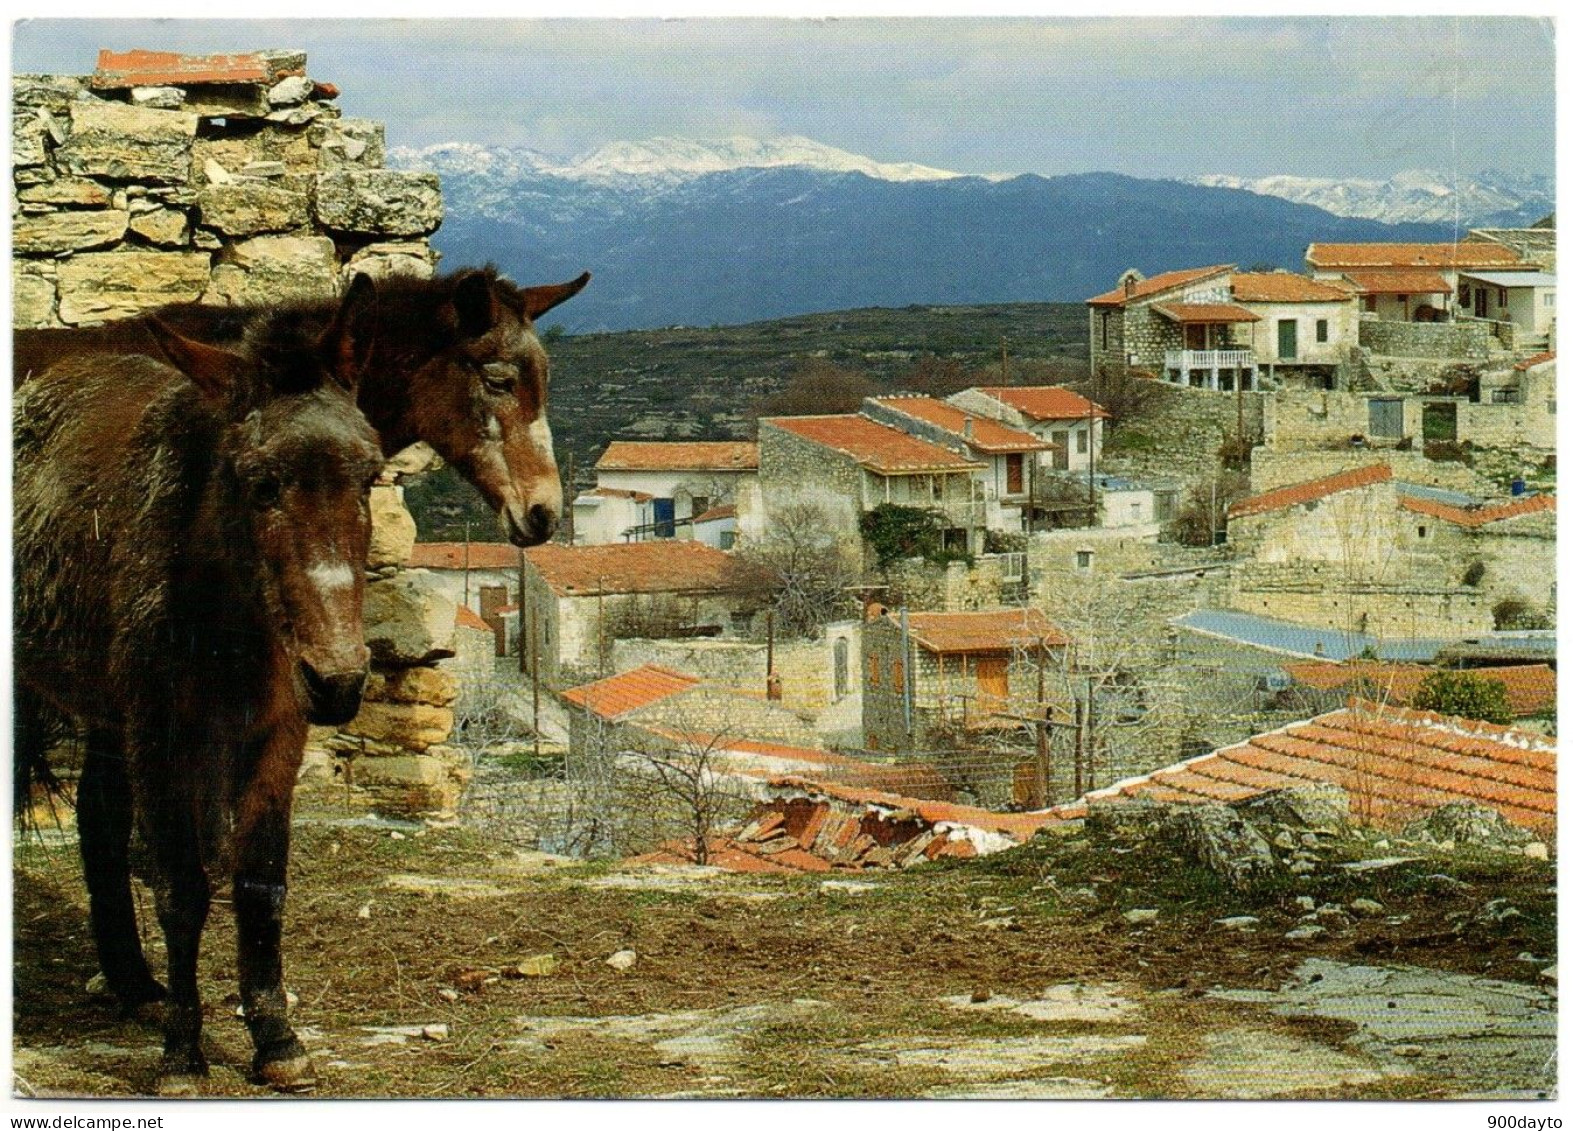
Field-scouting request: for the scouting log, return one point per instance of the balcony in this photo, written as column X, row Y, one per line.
column 1202, row 368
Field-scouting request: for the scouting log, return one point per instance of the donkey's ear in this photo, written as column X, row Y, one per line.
column 211, row 369
column 538, row 300
column 347, row 343
column 472, row 303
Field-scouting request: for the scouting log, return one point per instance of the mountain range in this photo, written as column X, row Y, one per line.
column 703, row 232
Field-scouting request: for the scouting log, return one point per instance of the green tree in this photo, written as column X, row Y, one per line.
column 1468, row 696
column 895, row 532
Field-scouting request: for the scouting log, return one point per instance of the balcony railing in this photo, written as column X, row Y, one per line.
column 1186, row 360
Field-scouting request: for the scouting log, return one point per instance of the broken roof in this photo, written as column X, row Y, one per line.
column 988, row 630
column 878, row 447
column 684, row 455
column 1446, row 255
column 463, row 555
column 1531, row 688
column 639, row 567
column 987, row 435
column 616, row 696
column 1538, row 359
column 1045, row 402
column 1158, row 284
column 1298, row 494
column 1395, row 763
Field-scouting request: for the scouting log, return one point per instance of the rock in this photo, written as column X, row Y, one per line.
column 379, row 202
column 317, row 767
column 1301, row 867
column 448, row 994
column 102, row 286
column 1549, row 974
column 166, row 227
column 416, row 459
column 435, row 1032
column 228, row 101
column 1302, row 806
column 363, row 911
column 1536, row 850
column 978, row 997
column 249, row 209
column 32, row 293
column 1120, row 822
column 407, row 769
column 413, row 685
column 1466, row 823
column 1365, row 906
column 290, row 91
column 399, row 266
column 54, row 232
column 408, row 620
column 409, row 726
column 1309, row 931
column 536, row 966
column 1141, row 915
column 98, row 985
column 352, row 142
column 622, row 960
column 128, row 143
column 295, row 115
column 267, row 268
column 67, row 192
column 1305, row 903
column 392, row 528
column 158, row 97
column 1238, row 922
column 267, row 169
column 216, row 173
column 1222, row 841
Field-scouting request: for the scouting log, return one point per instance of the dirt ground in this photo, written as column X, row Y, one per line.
column 420, row 961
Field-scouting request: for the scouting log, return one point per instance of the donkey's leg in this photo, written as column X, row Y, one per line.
column 262, row 834
column 104, row 830
column 183, row 895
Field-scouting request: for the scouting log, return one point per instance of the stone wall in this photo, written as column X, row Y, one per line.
column 1300, row 419
column 1178, row 434
column 151, row 182
column 793, row 470
column 1458, row 340
column 1271, row 469
column 803, row 666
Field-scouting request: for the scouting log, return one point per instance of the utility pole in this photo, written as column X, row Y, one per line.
column 524, row 616
column 1004, row 363
column 1079, row 735
column 569, row 494
column 466, row 561
column 535, row 682
column 1091, row 746
column 1041, row 784
column 600, row 625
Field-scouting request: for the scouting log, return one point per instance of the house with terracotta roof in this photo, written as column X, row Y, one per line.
column 1068, row 421
column 1409, row 282
column 843, row 466
column 1184, row 325
column 1396, row 764
column 480, row 576
column 1307, row 331
column 647, row 490
column 1520, row 305
column 578, row 600
column 929, row 673
column 1533, row 245
column 1531, row 689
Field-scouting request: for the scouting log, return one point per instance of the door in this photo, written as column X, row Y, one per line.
column 1480, row 302
column 1387, row 418
column 1196, row 336
column 1014, row 484
column 1062, row 449
column 993, row 684
column 1288, row 339
column 665, row 511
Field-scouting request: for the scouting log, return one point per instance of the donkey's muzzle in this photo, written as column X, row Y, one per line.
column 529, row 526
column 332, row 698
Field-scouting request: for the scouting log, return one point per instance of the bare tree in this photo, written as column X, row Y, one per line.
column 678, row 781
column 818, row 386
column 804, row 571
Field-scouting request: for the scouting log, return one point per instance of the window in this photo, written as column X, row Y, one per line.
column 873, row 671
column 898, row 675
column 1083, row 559
column 1136, row 512
column 728, row 539
column 1105, row 316
column 1015, row 480
column 1321, row 329
column 1421, row 531
column 1082, row 442
column 1548, row 300
column 1370, row 304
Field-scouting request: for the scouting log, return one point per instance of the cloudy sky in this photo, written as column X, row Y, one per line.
column 1150, row 97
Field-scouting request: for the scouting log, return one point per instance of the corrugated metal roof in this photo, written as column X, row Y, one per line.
column 1289, row 639
column 1512, row 278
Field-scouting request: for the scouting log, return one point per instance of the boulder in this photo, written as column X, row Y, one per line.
column 408, row 726
column 1126, row 820
column 128, row 143
column 100, row 286
column 353, row 142
column 1223, row 842
column 408, row 620
column 1466, row 823
column 244, row 208
column 392, row 528
column 379, row 202
column 1318, row 806
column 55, row 232
column 290, row 92
column 267, row 268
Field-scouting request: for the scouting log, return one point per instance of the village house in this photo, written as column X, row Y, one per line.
column 1008, row 455
column 1408, row 282
column 653, row 490
column 1537, row 245
column 841, row 467
column 483, row 576
column 1530, row 689
column 1306, row 332
column 578, row 600
column 1525, row 301
column 1070, row 423
column 926, row 674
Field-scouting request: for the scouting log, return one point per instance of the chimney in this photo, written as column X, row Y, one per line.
column 1130, row 285
column 966, row 427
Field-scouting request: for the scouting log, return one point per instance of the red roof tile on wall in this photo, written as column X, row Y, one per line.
column 878, row 447
column 622, row 694
column 639, row 567
column 1399, row 282
column 686, row 455
column 1045, row 402
column 1538, row 359
column 1479, row 516
column 459, row 555
column 1298, row 494
column 118, row 70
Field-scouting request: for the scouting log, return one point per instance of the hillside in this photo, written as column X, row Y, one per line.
column 701, row 383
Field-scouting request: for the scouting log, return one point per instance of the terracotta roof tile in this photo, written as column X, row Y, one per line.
column 1298, row 494
column 1538, row 359
column 987, row 435
column 460, row 555
column 685, row 455
column 1017, row 826
column 1394, row 281
column 878, row 447
column 1531, row 688
column 1464, row 254
column 1045, row 402
column 1189, row 312
column 1395, row 763
column 622, row 694
column 1282, row 286
column 988, row 630
column 619, row 493
column 1482, row 515
column 639, row 567
column 715, row 514
column 466, row 617
column 118, row 70
column 1158, row 284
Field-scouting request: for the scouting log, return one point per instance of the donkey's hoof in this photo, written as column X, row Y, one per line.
column 290, row 1072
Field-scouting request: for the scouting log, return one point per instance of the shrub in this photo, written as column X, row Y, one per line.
column 895, row 532
column 1514, row 613
column 1474, row 573
column 1468, row 696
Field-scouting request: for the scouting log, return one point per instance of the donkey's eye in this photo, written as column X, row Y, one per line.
column 499, row 377
column 266, row 493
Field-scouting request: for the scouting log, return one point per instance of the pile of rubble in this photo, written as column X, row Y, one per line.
column 227, row 179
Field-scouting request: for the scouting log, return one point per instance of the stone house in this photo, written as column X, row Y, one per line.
column 482, row 576
column 1306, row 332
column 926, row 674
column 846, row 465
column 654, row 490
column 1408, row 282
column 164, row 178
column 1009, row 456
column 1525, row 301
column 1533, row 245
column 1068, row 421
column 1182, row 324
column 578, row 600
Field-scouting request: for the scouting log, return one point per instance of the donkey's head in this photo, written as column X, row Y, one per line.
column 481, row 399
column 296, row 463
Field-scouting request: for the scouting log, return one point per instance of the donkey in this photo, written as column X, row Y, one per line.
column 455, row 363
column 189, row 549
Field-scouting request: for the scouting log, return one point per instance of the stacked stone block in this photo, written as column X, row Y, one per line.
column 222, row 179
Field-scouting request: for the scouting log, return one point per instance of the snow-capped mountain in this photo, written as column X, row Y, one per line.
column 1488, row 199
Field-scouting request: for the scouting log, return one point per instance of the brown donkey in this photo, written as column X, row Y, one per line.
column 455, row 363
column 189, row 548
